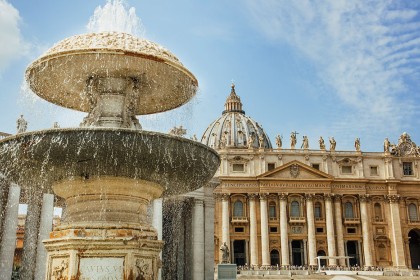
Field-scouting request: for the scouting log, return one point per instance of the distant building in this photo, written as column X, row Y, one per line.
column 285, row 206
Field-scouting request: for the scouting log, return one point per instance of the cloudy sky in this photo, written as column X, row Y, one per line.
column 322, row 68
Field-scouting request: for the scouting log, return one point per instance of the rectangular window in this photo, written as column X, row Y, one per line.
column 351, row 230
column 238, row 167
column 239, row 229
column 273, row 229
column 319, row 230
column 374, row 171
column 315, row 165
column 346, row 169
column 408, row 168
column 271, row 166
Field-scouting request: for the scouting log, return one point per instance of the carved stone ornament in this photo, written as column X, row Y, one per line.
column 405, row 147
column 294, row 170
column 252, row 196
column 393, row 198
column 283, row 196
column 364, row 198
column 144, row 269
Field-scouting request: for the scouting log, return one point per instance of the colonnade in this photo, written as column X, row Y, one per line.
column 333, row 223
column 38, row 224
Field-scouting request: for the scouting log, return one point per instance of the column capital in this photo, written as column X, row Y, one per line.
column 364, row 197
column 283, row 196
column 198, row 201
column 252, row 196
column 328, row 196
column 264, row 196
column 394, row 198
column 309, row 196
column 338, row 197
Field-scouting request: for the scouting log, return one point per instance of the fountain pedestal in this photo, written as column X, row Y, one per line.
column 106, row 234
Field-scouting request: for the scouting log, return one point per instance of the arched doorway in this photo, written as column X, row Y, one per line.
column 274, row 257
column 321, row 253
column 414, row 237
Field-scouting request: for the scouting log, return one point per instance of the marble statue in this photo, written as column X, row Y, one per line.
column 305, row 142
column 321, row 143
column 293, row 140
column 279, row 142
column 357, row 144
column 21, row 124
column 225, row 253
column 332, row 144
column 387, row 145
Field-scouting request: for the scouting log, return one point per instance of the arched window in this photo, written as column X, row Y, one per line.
column 295, row 209
column 348, row 210
column 272, row 210
column 238, row 209
column 412, row 212
column 318, row 210
column 378, row 211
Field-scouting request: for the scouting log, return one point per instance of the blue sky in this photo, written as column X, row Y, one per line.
column 322, row 68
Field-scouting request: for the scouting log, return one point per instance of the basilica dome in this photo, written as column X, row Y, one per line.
column 234, row 129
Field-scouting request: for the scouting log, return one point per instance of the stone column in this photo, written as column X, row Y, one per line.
column 253, row 238
column 225, row 221
column 157, row 224
column 366, row 232
column 45, row 226
column 339, row 228
column 265, row 243
column 209, row 232
column 330, row 229
column 30, row 239
column 4, row 190
column 284, row 238
column 397, row 242
column 8, row 242
column 198, row 240
column 311, row 229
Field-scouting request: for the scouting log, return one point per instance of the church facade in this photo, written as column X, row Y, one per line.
column 284, row 206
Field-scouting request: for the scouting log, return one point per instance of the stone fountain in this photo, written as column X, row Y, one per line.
column 107, row 170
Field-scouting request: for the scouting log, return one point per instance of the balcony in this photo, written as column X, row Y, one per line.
column 273, row 219
column 319, row 219
column 378, row 220
column 297, row 220
column 239, row 220
column 351, row 221
column 413, row 221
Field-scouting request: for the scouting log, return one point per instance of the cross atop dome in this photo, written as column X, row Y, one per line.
column 233, row 102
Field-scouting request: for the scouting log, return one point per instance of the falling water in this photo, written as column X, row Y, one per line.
column 115, row 15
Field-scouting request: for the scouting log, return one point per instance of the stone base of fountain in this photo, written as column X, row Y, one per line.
column 105, row 234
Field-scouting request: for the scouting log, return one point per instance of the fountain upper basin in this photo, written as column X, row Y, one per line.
column 61, row 75
column 43, row 157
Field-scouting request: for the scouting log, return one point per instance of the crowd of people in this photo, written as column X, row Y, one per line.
column 312, row 268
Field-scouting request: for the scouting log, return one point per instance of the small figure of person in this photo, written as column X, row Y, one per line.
column 387, row 145
column 279, row 142
column 357, row 144
column 321, row 143
column 332, row 144
column 21, row 124
column 55, row 125
column 225, row 253
column 305, row 143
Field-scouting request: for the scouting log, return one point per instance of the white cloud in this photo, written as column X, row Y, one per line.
column 361, row 49
column 12, row 45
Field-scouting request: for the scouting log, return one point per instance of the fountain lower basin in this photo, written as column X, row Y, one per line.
column 43, row 157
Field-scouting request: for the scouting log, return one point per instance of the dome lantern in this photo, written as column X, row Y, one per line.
column 233, row 102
